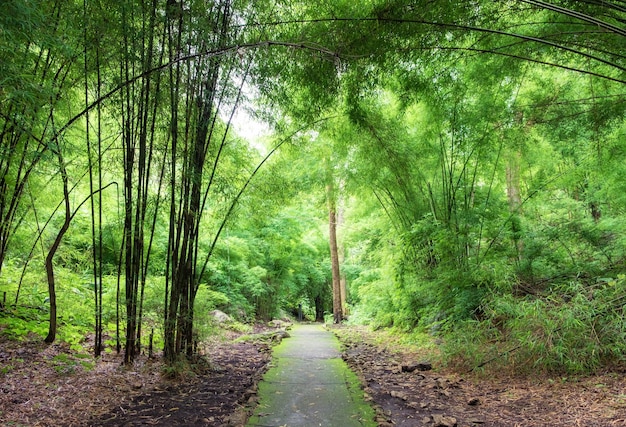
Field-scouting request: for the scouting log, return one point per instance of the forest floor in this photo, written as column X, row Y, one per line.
column 49, row 385
column 407, row 392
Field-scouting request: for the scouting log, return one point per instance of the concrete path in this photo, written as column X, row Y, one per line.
column 310, row 385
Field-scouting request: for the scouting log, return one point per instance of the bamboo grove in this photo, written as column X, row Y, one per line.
column 128, row 109
column 156, row 114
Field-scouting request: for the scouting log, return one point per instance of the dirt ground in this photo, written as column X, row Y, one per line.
column 48, row 385
column 43, row 385
column 434, row 397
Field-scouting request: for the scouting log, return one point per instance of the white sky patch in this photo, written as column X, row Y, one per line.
column 250, row 129
column 246, row 125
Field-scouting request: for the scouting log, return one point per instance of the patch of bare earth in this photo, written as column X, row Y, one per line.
column 49, row 385
column 406, row 392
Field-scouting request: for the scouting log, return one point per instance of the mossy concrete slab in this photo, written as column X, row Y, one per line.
column 310, row 385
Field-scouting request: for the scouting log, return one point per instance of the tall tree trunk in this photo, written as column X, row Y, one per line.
column 172, row 293
column 140, row 102
column 334, row 254
column 96, row 238
column 319, row 309
column 52, row 328
column 190, row 187
column 343, row 288
column 515, row 201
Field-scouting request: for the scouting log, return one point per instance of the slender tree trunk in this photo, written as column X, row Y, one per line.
column 334, row 255
column 515, row 200
column 187, row 188
column 52, row 328
column 172, row 295
column 343, row 288
column 319, row 309
column 98, row 344
column 95, row 223
column 140, row 101
column 118, row 294
column 129, row 149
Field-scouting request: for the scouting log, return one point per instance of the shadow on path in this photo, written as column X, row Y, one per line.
column 310, row 385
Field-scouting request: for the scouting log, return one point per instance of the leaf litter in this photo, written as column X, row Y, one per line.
column 441, row 397
column 50, row 385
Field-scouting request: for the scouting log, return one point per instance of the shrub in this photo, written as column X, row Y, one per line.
column 574, row 329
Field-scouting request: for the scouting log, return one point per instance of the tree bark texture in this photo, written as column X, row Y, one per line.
column 334, row 255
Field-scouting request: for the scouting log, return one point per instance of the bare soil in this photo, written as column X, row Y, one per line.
column 49, row 385
column 439, row 397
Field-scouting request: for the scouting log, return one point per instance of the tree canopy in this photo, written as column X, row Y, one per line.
column 467, row 155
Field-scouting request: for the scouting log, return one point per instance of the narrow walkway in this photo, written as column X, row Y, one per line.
column 310, row 385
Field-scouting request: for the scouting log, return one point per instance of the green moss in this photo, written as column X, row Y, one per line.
column 310, row 384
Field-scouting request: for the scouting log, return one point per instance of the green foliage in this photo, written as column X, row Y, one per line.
column 64, row 364
column 19, row 322
column 31, row 314
column 578, row 328
column 180, row 368
column 482, row 193
column 206, row 301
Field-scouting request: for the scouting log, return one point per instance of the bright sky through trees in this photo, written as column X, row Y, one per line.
column 471, row 153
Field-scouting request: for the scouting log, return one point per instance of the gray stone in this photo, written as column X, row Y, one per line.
column 444, row 421
column 220, row 316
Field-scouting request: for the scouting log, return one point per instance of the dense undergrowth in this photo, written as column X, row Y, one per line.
column 75, row 300
column 574, row 329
